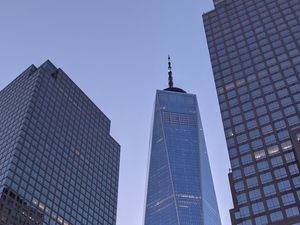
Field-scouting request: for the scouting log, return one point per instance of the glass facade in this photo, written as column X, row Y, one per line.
column 254, row 47
column 59, row 164
column 180, row 187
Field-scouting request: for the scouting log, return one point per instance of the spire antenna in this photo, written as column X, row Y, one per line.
column 170, row 72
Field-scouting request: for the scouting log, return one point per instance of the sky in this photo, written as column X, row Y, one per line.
column 116, row 52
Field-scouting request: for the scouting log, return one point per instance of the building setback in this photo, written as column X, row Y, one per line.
column 59, row 164
column 254, row 47
column 180, row 188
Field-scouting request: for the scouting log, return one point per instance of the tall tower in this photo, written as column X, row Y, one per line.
column 254, row 47
column 180, row 187
column 59, row 164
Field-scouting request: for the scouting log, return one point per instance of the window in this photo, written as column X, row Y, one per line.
column 258, row 207
column 236, row 173
column 270, row 139
column 272, row 150
column 276, row 161
column 244, row 148
column 294, row 211
column 286, row 145
column 286, row 101
column 256, row 93
column 242, row 90
column 229, row 133
column 269, row 190
column 244, row 211
column 264, row 120
column 239, row 186
column 254, row 133
column 254, row 194
column 270, row 97
column 276, row 216
column 273, row 203
column 235, row 163
column 246, row 159
column 280, row 124
column 233, row 152
column 241, row 138
column 233, row 102
column 293, row 120
column 237, row 119
column 289, row 157
column 267, row 129
column 289, row 111
column 262, row 220
column 252, row 182
column 273, row 106
column 297, row 96
column 230, row 142
column 251, row 124
column 266, row 177
column 288, row 199
column 284, row 186
column 263, row 165
column 283, row 93
column 249, row 115
column 249, row 170
column 280, row 173
column 235, row 111
column 231, row 94
column 283, row 135
column 257, row 143
column 260, row 154
column 293, row 169
column 258, row 102
column 268, row 89
column 242, row 198
column 296, row 181
column 261, row 110
column 239, row 128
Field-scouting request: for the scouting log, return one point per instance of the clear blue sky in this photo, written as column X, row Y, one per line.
column 116, row 51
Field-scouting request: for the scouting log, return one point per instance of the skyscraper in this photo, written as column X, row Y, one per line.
column 254, row 47
column 59, row 164
column 180, row 187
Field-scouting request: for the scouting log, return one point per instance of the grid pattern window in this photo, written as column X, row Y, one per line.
column 254, row 48
column 14, row 100
column 65, row 163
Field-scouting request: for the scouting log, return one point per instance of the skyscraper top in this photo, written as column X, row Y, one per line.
column 171, row 87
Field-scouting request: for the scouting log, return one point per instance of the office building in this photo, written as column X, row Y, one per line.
column 180, row 189
column 254, row 47
column 59, row 164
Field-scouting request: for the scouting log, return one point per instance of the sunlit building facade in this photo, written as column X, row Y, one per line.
column 254, row 47
column 59, row 164
column 180, row 189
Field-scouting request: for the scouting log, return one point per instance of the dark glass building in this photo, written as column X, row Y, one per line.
column 59, row 164
column 180, row 187
column 254, row 47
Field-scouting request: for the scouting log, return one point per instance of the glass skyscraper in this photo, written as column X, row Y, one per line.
column 59, row 164
column 180, row 187
column 254, row 47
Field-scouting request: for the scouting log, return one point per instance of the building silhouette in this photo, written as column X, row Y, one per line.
column 180, row 188
column 254, row 47
column 59, row 164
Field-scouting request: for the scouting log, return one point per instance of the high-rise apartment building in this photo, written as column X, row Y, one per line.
column 254, row 47
column 59, row 164
column 180, row 187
